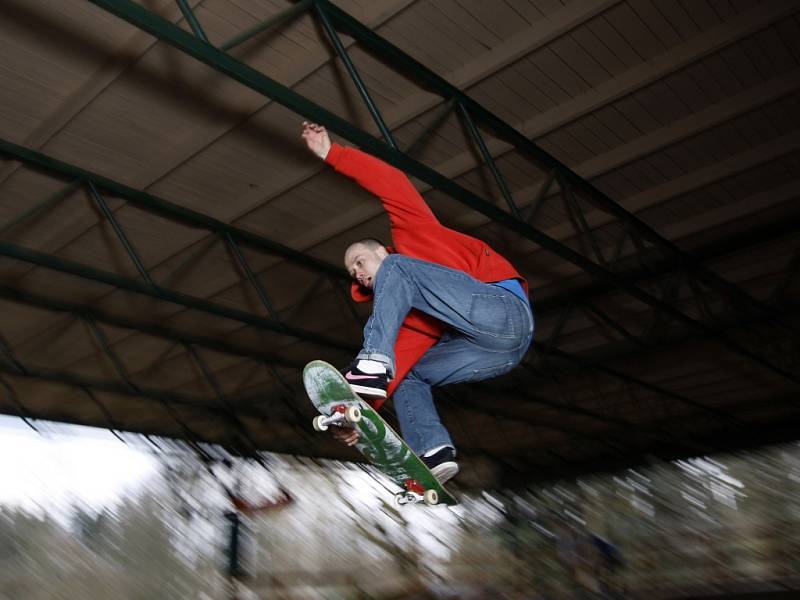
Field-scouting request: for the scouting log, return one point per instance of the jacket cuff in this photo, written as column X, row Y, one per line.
column 335, row 154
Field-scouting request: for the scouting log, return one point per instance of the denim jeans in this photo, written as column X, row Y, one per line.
column 489, row 331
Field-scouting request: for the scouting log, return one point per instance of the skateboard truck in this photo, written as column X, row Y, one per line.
column 416, row 493
column 342, row 415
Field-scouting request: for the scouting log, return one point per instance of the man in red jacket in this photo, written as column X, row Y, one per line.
column 446, row 307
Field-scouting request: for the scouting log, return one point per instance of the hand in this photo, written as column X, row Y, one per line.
column 346, row 435
column 317, row 139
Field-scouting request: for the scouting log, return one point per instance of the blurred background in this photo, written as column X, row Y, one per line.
column 170, row 259
column 87, row 515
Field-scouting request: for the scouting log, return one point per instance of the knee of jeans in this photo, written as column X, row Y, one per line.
column 413, row 378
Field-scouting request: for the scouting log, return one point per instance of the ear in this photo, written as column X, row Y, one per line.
column 382, row 252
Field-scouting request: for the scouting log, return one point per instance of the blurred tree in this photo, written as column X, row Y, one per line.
column 149, row 553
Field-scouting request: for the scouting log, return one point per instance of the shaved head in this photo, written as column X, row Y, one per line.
column 370, row 243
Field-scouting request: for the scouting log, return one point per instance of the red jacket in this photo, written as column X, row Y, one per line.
column 417, row 233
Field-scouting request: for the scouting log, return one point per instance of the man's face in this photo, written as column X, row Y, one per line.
column 363, row 263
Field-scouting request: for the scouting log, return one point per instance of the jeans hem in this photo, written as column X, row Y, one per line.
column 378, row 357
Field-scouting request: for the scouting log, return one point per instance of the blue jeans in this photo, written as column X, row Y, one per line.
column 489, row 331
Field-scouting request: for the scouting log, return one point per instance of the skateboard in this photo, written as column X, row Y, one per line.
column 339, row 406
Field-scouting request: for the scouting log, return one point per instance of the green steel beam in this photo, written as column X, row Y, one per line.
column 461, row 401
column 220, row 61
column 270, row 361
column 589, row 365
column 784, row 431
column 161, row 331
column 132, row 285
column 167, row 398
column 165, row 208
column 786, row 226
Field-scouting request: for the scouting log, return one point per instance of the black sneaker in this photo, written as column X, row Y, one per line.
column 442, row 464
column 367, row 385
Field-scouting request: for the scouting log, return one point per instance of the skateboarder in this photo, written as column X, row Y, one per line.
column 446, row 307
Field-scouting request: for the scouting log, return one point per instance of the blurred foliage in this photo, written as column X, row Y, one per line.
column 653, row 532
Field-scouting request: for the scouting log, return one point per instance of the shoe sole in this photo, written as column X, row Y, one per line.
column 367, row 392
column 445, row 471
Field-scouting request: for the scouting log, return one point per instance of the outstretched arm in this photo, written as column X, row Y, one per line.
column 400, row 198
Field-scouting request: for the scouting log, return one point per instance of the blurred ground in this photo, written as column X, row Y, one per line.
column 712, row 527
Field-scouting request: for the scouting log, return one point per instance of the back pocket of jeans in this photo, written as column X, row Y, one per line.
column 488, row 314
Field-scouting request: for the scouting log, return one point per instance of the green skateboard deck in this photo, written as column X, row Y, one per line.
column 339, row 406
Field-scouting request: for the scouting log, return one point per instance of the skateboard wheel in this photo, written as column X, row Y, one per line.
column 353, row 414
column 431, row 497
column 319, row 423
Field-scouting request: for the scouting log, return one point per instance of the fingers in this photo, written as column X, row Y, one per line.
column 309, row 128
column 346, row 435
column 351, row 438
